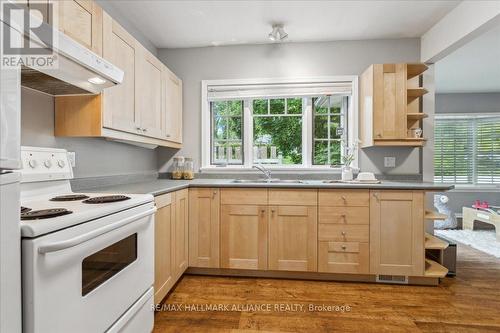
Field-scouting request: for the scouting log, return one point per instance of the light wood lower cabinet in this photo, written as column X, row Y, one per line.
column 164, row 226
column 171, row 243
column 343, row 257
column 244, row 236
column 204, row 217
column 293, row 232
column 344, row 231
column 397, row 233
column 181, row 235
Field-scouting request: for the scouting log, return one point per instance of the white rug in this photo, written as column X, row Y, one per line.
column 482, row 240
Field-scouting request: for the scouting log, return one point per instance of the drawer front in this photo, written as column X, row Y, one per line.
column 343, row 257
column 345, row 198
column 164, row 200
column 293, row 197
column 344, row 215
column 243, row 196
column 343, row 233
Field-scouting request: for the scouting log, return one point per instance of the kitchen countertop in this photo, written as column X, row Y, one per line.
column 161, row 186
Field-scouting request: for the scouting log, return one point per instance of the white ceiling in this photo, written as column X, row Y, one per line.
column 475, row 67
column 177, row 24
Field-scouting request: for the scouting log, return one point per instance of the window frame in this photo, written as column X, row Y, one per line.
column 307, row 137
column 474, row 119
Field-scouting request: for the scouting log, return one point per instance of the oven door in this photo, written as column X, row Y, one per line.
column 84, row 278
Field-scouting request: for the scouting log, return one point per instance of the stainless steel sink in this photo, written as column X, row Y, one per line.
column 264, row 181
column 287, row 181
column 249, row 181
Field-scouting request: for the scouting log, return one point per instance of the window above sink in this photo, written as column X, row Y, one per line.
column 284, row 124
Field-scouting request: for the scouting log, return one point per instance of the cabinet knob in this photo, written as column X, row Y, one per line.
column 343, row 233
column 144, row 129
column 344, row 198
column 214, row 194
column 343, row 216
column 344, row 247
column 167, row 135
column 375, row 195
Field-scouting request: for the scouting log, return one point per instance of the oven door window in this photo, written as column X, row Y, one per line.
column 101, row 266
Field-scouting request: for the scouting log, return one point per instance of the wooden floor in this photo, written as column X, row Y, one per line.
column 467, row 303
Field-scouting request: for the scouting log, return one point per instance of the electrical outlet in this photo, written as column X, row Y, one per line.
column 72, row 158
column 389, row 162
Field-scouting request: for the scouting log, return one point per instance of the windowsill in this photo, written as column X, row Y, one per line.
column 476, row 188
column 274, row 169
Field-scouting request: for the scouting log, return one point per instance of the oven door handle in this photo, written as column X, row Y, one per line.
column 58, row 246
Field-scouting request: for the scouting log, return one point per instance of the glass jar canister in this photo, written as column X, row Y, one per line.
column 188, row 169
column 178, row 167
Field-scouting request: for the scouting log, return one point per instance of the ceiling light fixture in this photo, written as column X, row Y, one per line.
column 278, row 33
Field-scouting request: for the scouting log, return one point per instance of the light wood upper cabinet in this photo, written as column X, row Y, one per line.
column 293, row 238
column 244, row 236
column 164, row 274
column 172, row 106
column 397, row 233
column 82, row 21
column 204, row 225
column 120, row 48
column 142, row 109
column 148, row 89
column 180, row 232
column 390, row 105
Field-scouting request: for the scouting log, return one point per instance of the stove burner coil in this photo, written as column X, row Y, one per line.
column 70, row 197
column 44, row 213
column 25, row 210
column 106, row 199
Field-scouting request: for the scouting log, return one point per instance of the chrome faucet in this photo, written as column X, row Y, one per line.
column 265, row 171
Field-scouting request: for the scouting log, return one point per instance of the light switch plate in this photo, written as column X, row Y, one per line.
column 389, row 162
column 72, row 158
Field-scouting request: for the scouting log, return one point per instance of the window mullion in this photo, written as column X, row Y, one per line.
column 474, row 151
column 307, row 131
column 247, row 133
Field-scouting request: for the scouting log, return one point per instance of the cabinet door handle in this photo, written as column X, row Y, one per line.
column 344, row 198
column 375, row 195
column 214, row 194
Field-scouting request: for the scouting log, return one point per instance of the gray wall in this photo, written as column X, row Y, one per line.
column 285, row 60
column 94, row 156
column 469, row 103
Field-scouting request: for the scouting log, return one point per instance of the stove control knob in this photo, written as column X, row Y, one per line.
column 61, row 163
column 32, row 163
column 47, row 164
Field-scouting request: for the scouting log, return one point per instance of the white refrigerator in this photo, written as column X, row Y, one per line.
column 10, row 237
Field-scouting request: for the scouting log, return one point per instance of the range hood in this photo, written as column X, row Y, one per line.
column 77, row 71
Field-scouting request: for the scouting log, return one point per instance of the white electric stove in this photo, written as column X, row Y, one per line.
column 87, row 258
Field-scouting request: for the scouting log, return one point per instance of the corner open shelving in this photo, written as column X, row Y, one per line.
column 413, row 70
column 434, row 243
column 432, row 215
column 433, row 269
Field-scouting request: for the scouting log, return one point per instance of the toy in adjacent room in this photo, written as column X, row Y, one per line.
column 441, row 204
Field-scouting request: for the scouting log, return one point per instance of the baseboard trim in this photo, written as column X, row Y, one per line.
column 367, row 278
